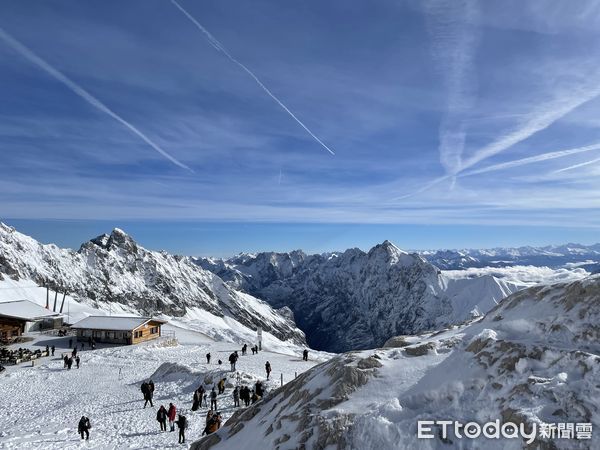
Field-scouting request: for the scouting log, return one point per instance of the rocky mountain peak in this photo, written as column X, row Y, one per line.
column 117, row 239
column 390, row 254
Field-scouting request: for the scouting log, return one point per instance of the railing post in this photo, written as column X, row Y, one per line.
column 282, row 379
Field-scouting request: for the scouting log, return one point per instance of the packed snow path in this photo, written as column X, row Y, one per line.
column 42, row 405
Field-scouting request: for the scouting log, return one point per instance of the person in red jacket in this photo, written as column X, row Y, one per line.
column 172, row 414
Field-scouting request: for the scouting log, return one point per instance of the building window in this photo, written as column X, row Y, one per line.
column 154, row 330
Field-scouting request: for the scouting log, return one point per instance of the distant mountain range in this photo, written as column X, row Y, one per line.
column 553, row 256
column 355, row 299
column 341, row 301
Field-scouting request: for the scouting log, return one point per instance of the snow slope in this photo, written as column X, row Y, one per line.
column 114, row 273
column 41, row 405
column 533, row 359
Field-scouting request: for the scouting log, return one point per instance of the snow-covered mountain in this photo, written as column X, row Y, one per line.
column 532, row 361
column 114, row 270
column 554, row 256
column 356, row 299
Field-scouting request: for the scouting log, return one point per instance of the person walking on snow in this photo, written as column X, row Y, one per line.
column 221, row 386
column 171, row 414
column 232, row 360
column 236, row 396
column 305, row 355
column 246, row 395
column 213, row 399
column 196, row 400
column 268, row 369
column 53, row 348
column 84, row 428
column 208, row 358
column 201, row 392
column 182, row 425
column 147, row 390
column 161, row 416
column 77, row 361
column 258, row 388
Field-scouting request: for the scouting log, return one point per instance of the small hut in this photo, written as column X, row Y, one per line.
column 118, row 329
column 19, row 316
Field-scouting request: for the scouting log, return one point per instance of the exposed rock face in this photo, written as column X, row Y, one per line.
column 296, row 403
column 357, row 300
column 114, row 268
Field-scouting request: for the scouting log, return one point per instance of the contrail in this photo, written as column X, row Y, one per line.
column 219, row 47
column 454, row 31
column 532, row 159
column 576, row 166
column 428, row 186
column 35, row 59
column 538, row 122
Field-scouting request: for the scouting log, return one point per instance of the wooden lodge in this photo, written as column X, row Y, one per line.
column 118, row 329
column 17, row 317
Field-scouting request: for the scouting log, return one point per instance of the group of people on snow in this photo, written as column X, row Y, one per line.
column 68, row 360
column 213, row 417
column 163, row 414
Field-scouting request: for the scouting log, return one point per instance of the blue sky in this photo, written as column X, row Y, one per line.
column 478, row 120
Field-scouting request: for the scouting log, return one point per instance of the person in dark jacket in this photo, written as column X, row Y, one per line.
column 221, row 386
column 208, row 358
column 182, row 425
column 232, row 360
column 236, row 396
column 77, row 361
column 254, row 397
column 161, row 416
column 305, row 355
column 53, row 348
column 213, row 399
column 268, row 369
column 201, row 392
column 66, row 360
column 244, row 348
column 196, row 400
column 148, row 390
column 259, row 389
column 69, row 363
column 74, row 352
column 246, row 395
column 84, row 428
